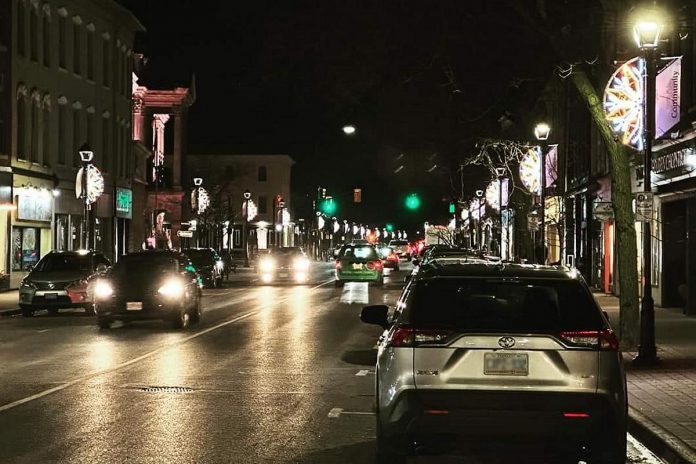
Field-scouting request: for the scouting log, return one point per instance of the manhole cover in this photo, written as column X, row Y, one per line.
column 166, row 389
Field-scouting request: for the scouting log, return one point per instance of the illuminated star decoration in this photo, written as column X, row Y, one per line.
column 493, row 194
column 530, row 171
column 623, row 103
column 95, row 184
column 477, row 210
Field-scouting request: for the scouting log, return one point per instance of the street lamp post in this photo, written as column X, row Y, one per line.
column 479, row 194
column 247, row 196
column 500, row 172
column 86, row 155
column 647, row 36
column 541, row 131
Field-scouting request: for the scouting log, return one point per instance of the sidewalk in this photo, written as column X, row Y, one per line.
column 662, row 399
column 9, row 303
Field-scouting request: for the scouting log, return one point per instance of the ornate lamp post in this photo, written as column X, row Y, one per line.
column 479, row 194
column 647, row 37
column 247, row 196
column 541, row 132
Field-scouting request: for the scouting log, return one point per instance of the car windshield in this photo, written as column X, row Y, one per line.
column 140, row 265
column 504, row 305
column 200, row 256
column 359, row 252
column 62, row 262
column 283, row 252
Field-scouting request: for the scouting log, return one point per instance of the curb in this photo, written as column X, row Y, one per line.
column 10, row 312
column 668, row 447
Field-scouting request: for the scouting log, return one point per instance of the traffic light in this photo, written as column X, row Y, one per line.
column 390, row 227
column 412, row 201
column 452, row 207
column 328, row 206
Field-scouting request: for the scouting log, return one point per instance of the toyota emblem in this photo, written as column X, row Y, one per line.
column 506, row 342
column 51, row 285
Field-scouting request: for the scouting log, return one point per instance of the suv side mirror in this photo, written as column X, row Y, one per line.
column 101, row 268
column 375, row 314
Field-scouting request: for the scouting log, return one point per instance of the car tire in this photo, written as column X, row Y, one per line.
column 386, row 453
column 27, row 312
column 396, row 268
column 612, row 451
column 89, row 310
column 104, row 323
column 380, row 282
column 196, row 313
column 53, row 311
column 218, row 282
column 181, row 320
column 338, row 283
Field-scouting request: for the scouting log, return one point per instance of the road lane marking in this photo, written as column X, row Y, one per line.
column 355, row 292
column 363, row 373
column 644, row 453
column 335, row 412
column 42, row 331
column 91, row 375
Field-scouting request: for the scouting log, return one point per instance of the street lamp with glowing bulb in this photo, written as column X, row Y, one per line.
column 541, row 132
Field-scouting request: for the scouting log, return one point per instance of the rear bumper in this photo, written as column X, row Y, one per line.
column 40, row 299
column 442, row 420
column 364, row 277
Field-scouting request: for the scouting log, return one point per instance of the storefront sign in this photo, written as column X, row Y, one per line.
column 532, row 222
column 34, row 204
column 668, row 98
column 644, row 206
column 674, row 160
column 603, row 211
column 124, row 203
column 185, row 233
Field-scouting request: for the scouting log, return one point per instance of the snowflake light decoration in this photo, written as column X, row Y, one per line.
column 530, row 171
column 623, row 102
column 493, row 194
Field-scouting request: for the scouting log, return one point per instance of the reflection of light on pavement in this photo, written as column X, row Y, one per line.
column 170, row 367
column 101, row 354
column 299, row 302
column 355, row 293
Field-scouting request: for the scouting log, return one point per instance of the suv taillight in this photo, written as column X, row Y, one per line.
column 408, row 336
column 338, row 264
column 372, row 265
column 604, row 339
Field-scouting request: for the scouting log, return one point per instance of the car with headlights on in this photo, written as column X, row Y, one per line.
column 390, row 260
column 61, row 279
column 401, row 247
column 149, row 285
column 208, row 264
column 284, row 264
column 518, row 358
column 358, row 262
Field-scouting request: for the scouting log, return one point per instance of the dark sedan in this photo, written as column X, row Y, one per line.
column 208, row 264
column 149, row 285
column 289, row 264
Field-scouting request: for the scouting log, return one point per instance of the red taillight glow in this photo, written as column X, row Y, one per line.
column 604, row 339
column 436, row 412
column 408, row 336
column 338, row 264
column 576, row 415
column 392, row 257
column 374, row 265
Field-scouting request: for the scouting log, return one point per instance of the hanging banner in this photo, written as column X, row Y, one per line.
column 551, row 166
column 668, row 97
column 623, row 103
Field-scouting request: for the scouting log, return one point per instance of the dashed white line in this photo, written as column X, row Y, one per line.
column 335, row 412
column 363, row 373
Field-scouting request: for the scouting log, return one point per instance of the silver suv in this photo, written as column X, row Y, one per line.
column 491, row 358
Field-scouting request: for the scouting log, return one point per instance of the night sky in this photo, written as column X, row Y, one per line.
column 421, row 81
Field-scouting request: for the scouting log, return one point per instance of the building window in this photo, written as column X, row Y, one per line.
column 263, row 174
column 77, row 50
column 90, row 55
column 34, row 131
column 106, row 68
column 77, row 134
column 46, row 36
column 21, row 28
column 22, row 127
column 90, row 127
column 263, row 205
column 34, row 33
column 62, row 41
column 106, row 147
column 46, row 136
column 62, row 134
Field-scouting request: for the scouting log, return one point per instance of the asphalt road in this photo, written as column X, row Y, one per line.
column 272, row 374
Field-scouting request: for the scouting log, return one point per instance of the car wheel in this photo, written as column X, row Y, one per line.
column 218, row 282
column 612, row 451
column 27, row 312
column 52, row 311
column 380, row 282
column 338, row 283
column 386, row 453
column 396, row 268
column 89, row 310
column 196, row 313
column 104, row 323
column 181, row 320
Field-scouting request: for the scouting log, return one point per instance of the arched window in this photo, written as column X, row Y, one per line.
column 77, row 45
column 34, row 128
column 106, row 57
column 105, row 156
column 62, row 131
column 46, row 132
column 46, row 35
column 263, row 174
column 90, row 52
column 34, row 32
column 21, row 28
column 62, row 38
column 21, row 123
column 77, row 132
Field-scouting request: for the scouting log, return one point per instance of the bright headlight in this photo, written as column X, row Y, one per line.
column 172, row 288
column 301, row 264
column 103, row 290
column 219, row 264
column 266, row 265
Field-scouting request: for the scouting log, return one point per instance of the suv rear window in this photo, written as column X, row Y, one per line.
column 497, row 305
column 359, row 252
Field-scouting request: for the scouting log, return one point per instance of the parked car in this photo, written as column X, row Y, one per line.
column 358, row 263
column 147, row 285
column 61, row 280
column 390, row 260
column 401, row 248
column 208, row 264
column 505, row 354
column 284, row 264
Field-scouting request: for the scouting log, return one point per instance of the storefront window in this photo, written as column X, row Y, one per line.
column 62, row 232
column 656, row 247
column 25, row 247
column 75, row 232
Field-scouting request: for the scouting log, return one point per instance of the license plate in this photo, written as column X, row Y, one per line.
column 134, row 305
column 50, row 296
column 506, row 364
column 357, row 266
column 283, row 275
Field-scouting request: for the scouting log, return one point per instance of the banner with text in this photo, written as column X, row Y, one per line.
column 668, row 97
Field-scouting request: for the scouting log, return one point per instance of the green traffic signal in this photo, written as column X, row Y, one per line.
column 412, row 201
column 452, row 209
column 390, row 227
column 328, row 206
